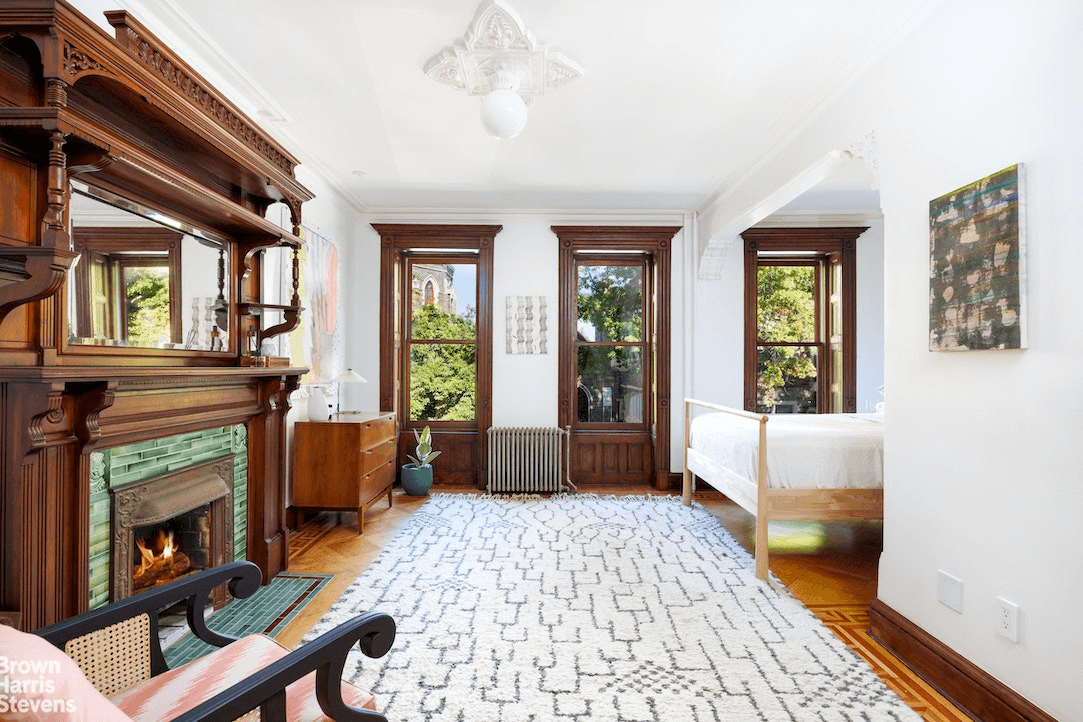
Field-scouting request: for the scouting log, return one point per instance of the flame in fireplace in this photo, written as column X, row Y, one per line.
column 165, row 542
column 159, row 567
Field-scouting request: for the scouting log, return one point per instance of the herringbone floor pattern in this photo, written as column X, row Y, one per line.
column 831, row 568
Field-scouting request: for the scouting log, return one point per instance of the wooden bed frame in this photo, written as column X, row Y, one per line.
column 769, row 504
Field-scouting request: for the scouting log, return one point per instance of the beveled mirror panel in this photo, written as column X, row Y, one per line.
column 143, row 279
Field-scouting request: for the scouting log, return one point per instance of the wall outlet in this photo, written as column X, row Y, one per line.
column 1007, row 619
column 949, row 590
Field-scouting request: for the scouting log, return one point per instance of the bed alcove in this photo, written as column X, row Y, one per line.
column 838, row 191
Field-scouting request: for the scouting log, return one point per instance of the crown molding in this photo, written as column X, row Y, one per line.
column 174, row 25
column 556, row 216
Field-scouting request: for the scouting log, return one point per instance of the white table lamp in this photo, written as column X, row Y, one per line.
column 349, row 376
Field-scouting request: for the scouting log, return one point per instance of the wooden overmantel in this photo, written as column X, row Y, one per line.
column 128, row 117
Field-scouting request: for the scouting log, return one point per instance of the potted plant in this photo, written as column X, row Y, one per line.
column 417, row 475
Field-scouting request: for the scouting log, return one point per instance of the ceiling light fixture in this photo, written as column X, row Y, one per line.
column 500, row 59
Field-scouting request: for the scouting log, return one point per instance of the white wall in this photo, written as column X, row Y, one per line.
column 870, row 317
column 524, row 264
column 982, row 457
column 357, row 244
column 990, row 491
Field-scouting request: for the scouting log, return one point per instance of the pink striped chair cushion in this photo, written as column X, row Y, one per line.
column 175, row 692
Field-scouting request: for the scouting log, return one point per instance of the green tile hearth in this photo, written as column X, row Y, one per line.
column 268, row 611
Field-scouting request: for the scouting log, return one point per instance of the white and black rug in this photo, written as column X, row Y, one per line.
column 577, row 607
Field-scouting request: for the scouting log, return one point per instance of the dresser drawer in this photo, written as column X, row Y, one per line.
column 376, row 431
column 378, row 482
column 377, row 455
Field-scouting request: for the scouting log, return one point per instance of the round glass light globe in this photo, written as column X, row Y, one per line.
column 503, row 113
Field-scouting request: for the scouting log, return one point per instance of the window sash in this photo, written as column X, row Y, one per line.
column 628, row 402
column 414, row 342
column 833, row 250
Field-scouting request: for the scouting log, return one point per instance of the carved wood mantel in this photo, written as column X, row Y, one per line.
column 55, row 418
column 127, row 116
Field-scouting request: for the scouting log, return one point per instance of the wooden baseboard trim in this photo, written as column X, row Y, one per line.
column 668, row 481
column 970, row 688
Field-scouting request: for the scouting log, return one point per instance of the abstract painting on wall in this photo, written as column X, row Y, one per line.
column 314, row 342
column 527, row 320
column 977, row 269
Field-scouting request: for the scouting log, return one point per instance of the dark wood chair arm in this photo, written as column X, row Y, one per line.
column 373, row 632
column 244, row 579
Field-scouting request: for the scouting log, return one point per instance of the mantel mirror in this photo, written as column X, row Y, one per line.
column 143, row 279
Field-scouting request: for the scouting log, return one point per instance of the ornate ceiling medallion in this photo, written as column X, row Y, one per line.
column 499, row 53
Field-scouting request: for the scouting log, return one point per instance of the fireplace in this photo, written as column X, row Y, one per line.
column 171, row 525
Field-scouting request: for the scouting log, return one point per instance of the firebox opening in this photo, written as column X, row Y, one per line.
column 171, row 549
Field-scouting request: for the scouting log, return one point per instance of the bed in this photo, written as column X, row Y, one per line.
column 818, row 466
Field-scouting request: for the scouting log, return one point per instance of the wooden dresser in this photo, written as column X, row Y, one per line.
column 345, row 464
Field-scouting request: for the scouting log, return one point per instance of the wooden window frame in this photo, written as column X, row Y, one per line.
column 133, row 247
column 464, row 443
column 799, row 243
column 576, row 242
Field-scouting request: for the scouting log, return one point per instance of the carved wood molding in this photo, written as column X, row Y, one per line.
column 43, row 271
column 40, row 424
column 78, row 62
column 140, row 44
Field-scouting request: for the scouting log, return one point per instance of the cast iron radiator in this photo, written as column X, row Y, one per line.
column 529, row 459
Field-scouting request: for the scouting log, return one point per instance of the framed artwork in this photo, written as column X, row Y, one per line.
column 977, row 265
column 316, row 339
column 527, row 321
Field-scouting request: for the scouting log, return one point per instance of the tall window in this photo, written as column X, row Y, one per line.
column 127, row 286
column 441, row 338
column 436, row 340
column 613, row 356
column 611, row 346
column 800, row 320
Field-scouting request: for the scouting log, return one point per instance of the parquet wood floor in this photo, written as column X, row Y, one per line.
column 830, row 567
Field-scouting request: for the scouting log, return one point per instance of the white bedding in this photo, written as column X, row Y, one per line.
column 804, row 451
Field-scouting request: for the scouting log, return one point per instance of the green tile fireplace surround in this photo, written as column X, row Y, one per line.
column 147, row 459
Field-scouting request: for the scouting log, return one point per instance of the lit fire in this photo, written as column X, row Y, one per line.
column 165, row 541
column 159, row 567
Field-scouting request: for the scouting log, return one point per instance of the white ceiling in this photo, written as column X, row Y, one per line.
column 678, row 98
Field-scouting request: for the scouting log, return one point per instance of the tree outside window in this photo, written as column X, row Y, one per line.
column 800, row 319
column 442, row 342
column 610, row 343
column 788, row 350
column 147, row 307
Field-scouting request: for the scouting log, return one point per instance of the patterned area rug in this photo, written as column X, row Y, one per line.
column 577, row 607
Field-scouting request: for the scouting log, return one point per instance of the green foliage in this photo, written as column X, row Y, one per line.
column 429, row 322
column 424, row 451
column 786, row 314
column 443, row 376
column 611, row 300
column 148, row 306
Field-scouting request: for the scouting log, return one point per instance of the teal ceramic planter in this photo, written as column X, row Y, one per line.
column 416, row 480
